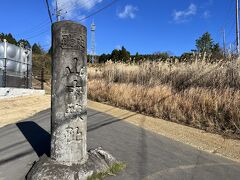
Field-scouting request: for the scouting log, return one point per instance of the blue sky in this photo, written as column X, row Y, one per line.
column 144, row 26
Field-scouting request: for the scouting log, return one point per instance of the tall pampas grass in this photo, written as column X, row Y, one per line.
column 199, row 94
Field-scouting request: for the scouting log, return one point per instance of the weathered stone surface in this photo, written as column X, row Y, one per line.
column 48, row 169
column 69, row 93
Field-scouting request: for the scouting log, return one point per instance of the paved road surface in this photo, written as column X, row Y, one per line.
column 148, row 155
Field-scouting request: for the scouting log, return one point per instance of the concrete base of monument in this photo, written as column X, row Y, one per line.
column 99, row 161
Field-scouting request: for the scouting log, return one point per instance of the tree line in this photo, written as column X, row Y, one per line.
column 36, row 47
column 204, row 46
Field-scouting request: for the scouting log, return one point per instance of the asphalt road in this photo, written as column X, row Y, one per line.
column 147, row 155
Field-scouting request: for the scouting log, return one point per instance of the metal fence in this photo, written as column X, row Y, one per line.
column 38, row 77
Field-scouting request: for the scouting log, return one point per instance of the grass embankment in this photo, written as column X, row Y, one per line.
column 202, row 95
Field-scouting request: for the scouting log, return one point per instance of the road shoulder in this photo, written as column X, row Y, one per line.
column 199, row 139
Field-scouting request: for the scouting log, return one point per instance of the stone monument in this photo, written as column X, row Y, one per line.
column 69, row 93
column 69, row 157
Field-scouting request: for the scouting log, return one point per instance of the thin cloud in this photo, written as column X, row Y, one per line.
column 183, row 16
column 118, row 47
column 206, row 14
column 208, row 3
column 129, row 11
column 70, row 7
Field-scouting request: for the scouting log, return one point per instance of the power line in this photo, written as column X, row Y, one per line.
column 231, row 28
column 230, row 22
column 49, row 12
column 65, row 5
column 34, row 28
column 228, row 16
column 82, row 6
column 99, row 10
column 38, row 34
column 230, row 10
column 38, row 27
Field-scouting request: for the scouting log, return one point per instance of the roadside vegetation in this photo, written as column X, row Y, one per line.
column 200, row 94
column 199, row 89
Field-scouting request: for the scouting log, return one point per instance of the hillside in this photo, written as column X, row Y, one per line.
column 39, row 62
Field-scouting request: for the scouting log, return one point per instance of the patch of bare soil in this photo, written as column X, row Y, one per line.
column 14, row 109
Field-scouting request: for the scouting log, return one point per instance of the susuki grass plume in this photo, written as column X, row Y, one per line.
column 199, row 94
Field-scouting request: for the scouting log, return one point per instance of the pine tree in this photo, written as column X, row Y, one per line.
column 37, row 49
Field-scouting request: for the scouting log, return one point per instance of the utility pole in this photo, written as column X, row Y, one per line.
column 224, row 42
column 5, row 64
column 49, row 12
column 230, row 51
column 58, row 12
column 237, row 28
column 42, row 74
column 93, row 28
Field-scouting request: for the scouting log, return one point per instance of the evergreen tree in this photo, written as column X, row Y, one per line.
column 10, row 39
column 124, row 54
column 24, row 43
column 137, row 57
column 115, row 55
column 104, row 58
column 120, row 55
column 37, row 49
column 217, row 52
column 1, row 37
column 204, row 43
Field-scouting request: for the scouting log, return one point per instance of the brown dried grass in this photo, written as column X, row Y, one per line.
column 202, row 95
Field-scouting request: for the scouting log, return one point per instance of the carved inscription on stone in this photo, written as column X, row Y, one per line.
column 72, row 40
column 73, row 134
column 74, row 90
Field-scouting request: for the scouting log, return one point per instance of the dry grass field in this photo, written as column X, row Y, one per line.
column 198, row 94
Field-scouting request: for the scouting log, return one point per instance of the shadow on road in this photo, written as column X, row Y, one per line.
column 143, row 162
column 99, row 112
column 106, row 122
column 38, row 137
